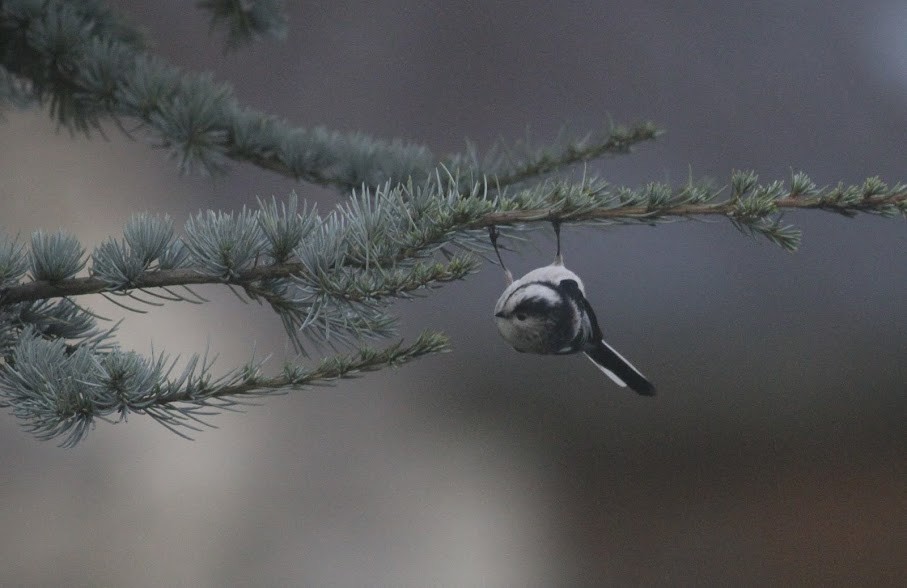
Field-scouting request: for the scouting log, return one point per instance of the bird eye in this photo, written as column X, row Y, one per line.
column 521, row 316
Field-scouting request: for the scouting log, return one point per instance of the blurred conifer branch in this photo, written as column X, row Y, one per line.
column 247, row 21
column 412, row 222
column 83, row 61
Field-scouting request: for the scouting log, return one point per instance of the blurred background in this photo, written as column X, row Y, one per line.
column 776, row 452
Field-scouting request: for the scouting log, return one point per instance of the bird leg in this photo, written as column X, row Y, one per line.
column 558, row 258
column 493, row 237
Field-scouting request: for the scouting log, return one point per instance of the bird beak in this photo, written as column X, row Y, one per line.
column 499, row 314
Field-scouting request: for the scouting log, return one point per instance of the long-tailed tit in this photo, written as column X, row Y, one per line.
column 546, row 312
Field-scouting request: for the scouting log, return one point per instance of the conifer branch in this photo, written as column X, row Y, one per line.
column 508, row 169
column 394, row 284
column 329, row 278
column 338, row 367
column 885, row 205
column 61, row 393
column 87, row 64
column 750, row 205
column 247, row 21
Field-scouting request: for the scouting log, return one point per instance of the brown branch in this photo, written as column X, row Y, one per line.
column 42, row 289
column 725, row 208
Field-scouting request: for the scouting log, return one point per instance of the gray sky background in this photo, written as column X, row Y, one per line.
column 775, row 452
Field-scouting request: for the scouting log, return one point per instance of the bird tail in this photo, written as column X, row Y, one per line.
column 621, row 371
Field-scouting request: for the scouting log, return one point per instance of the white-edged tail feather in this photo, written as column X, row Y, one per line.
column 618, row 369
column 607, row 372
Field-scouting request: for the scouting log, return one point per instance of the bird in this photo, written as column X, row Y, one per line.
column 546, row 312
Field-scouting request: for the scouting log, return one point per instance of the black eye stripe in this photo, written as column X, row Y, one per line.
column 533, row 306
